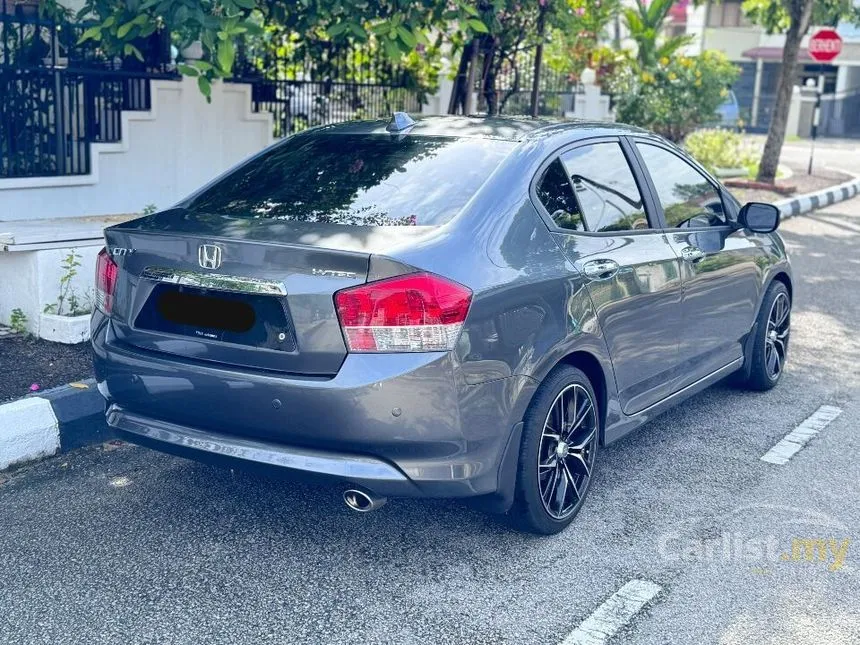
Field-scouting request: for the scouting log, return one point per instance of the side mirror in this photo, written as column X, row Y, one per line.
column 758, row 217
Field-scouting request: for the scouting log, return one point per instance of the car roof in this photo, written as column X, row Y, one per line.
column 508, row 128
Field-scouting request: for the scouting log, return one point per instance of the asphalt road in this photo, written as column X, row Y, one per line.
column 836, row 154
column 132, row 546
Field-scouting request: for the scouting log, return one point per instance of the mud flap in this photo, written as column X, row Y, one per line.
column 501, row 501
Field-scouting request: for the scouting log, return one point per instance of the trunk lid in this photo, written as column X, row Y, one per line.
column 243, row 292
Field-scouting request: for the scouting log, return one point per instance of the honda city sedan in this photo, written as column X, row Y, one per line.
column 441, row 307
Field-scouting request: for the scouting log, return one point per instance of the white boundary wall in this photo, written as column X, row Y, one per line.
column 165, row 154
column 31, row 279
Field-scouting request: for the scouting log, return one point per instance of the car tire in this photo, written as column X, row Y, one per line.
column 770, row 346
column 544, row 505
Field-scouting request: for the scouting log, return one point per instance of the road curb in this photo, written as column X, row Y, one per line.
column 56, row 421
column 801, row 204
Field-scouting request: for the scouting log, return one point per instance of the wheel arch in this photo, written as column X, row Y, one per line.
column 593, row 369
column 779, row 276
column 782, row 276
column 599, row 373
column 591, row 365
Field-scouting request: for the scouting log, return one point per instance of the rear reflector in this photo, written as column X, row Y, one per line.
column 419, row 312
column 106, row 274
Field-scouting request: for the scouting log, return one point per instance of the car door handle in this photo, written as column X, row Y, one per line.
column 692, row 254
column 600, row 269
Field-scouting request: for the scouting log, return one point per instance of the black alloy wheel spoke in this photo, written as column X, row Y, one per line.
column 566, row 453
column 776, row 336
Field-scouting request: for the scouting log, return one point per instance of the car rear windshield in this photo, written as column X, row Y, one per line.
column 359, row 180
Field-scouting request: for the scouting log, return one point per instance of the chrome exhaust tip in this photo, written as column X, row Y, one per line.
column 362, row 501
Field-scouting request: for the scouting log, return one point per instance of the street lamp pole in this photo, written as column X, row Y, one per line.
column 816, row 119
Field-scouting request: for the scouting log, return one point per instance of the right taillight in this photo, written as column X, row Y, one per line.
column 418, row 312
column 106, row 274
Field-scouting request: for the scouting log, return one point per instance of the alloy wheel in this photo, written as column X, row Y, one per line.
column 776, row 336
column 568, row 446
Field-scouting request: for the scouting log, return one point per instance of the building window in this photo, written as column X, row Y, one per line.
column 727, row 14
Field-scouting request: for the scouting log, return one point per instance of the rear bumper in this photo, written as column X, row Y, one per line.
column 398, row 424
column 374, row 474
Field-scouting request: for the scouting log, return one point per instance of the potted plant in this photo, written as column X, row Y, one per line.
column 68, row 319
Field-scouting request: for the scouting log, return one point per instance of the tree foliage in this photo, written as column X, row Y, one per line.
column 658, row 87
column 775, row 15
column 793, row 18
column 674, row 96
column 121, row 25
column 645, row 24
column 575, row 43
column 398, row 27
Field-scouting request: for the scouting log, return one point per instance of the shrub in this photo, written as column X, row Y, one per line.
column 69, row 303
column 675, row 96
column 722, row 149
column 18, row 321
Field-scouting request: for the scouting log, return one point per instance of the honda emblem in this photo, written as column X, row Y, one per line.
column 209, row 256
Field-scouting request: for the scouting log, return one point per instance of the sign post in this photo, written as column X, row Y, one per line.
column 824, row 46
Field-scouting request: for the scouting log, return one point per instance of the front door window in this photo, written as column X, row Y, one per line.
column 688, row 198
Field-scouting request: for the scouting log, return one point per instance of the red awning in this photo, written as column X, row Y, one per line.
column 774, row 53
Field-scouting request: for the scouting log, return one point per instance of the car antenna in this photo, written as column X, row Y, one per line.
column 400, row 121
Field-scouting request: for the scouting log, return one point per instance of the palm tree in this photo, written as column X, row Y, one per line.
column 645, row 23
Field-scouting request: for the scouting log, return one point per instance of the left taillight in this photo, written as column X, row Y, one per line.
column 418, row 312
column 106, row 275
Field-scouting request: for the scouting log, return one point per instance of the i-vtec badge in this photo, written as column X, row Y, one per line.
column 331, row 273
column 209, row 256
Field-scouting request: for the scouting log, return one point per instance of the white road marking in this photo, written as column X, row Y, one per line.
column 797, row 438
column 613, row 614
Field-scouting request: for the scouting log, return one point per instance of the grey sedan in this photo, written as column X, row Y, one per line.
column 444, row 307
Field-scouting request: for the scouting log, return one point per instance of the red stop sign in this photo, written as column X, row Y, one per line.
column 825, row 45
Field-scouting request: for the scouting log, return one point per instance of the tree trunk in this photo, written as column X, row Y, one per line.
column 800, row 19
column 541, row 23
column 488, row 78
column 468, row 107
column 459, row 92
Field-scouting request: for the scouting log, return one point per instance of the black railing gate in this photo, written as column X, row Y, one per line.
column 320, row 83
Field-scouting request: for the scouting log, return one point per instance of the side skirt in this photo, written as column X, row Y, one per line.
column 630, row 423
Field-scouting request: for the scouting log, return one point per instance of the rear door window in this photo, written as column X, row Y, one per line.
column 605, row 188
column 592, row 188
column 360, row 180
column 556, row 194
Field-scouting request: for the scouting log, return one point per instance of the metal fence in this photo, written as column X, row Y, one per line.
column 48, row 117
column 766, row 105
column 57, row 96
column 42, row 123
column 30, row 40
column 510, row 86
column 840, row 116
column 297, row 105
column 317, row 83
